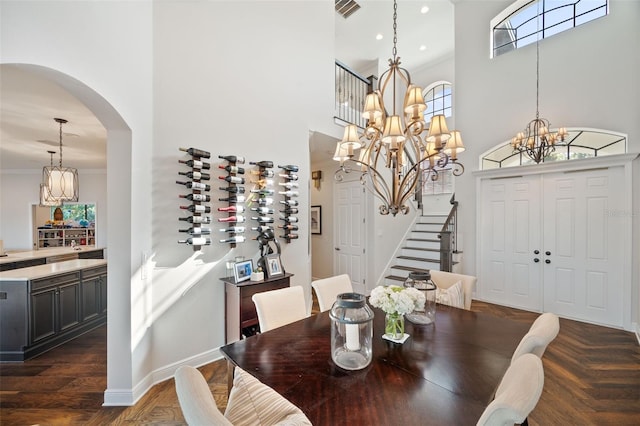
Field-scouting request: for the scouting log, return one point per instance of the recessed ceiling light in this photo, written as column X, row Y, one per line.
column 379, row 37
column 424, row 9
column 423, row 47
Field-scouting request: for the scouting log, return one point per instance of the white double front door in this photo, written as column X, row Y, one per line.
column 553, row 242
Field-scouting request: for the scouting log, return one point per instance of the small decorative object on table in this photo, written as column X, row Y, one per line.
column 396, row 301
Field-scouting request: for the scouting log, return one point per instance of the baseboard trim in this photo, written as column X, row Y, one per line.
column 129, row 397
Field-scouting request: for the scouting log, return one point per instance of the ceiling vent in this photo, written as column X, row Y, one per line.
column 346, row 8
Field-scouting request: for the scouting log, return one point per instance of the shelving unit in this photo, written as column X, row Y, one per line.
column 233, row 224
column 290, row 202
column 199, row 207
column 62, row 237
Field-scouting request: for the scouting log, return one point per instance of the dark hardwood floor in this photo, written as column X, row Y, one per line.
column 592, row 377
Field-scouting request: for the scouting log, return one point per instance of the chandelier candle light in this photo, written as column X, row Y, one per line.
column 59, row 183
column 398, row 142
column 537, row 142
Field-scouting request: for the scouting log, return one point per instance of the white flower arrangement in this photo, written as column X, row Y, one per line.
column 397, row 300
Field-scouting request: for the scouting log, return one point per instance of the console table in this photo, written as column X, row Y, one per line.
column 240, row 312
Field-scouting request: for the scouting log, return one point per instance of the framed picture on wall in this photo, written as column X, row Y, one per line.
column 242, row 270
column 316, row 219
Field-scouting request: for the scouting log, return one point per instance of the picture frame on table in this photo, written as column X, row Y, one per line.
column 242, row 270
column 315, row 217
column 273, row 266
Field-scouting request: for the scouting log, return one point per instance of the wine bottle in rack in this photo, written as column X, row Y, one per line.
column 197, row 208
column 263, row 173
column 263, row 191
column 196, row 231
column 234, row 229
column 232, row 169
column 196, row 241
column 263, row 219
column 196, row 219
column 196, row 197
column 289, row 185
column 289, row 168
column 236, row 239
column 289, row 227
column 196, row 164
column 233, row 189
column 233, row 209
column 236, row 218
column 289, row 193
column 262, row 210
column 289, row 236
column 234, row 199
column 289, row 219
column 265, row 164
column 232, row 179
column 291, row 203
column 290, row 210
column 263, row 182
column 265, row 201
column 195, row 152
column 262, row 228
column 196, row 185
column 196, row 175
column 289, row 176
column 232, row 158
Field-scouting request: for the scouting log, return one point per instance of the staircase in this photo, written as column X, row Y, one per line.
column 421, row 250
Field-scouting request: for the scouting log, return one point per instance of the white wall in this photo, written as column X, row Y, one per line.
column 165, row 75
column 588, row 78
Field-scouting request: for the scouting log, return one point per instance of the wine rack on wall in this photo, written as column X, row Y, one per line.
column 235, row 198
column 199, row 171
column 290, row 193
column 262, row 196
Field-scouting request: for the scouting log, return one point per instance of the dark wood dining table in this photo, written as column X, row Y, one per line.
column 444, row 374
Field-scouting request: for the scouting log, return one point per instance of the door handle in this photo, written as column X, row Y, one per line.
column 536, row 260
column 337, row 248
column 548, row 253
column 536, row 252
column 547, row 261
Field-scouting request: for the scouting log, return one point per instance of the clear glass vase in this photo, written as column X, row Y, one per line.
column 394, row 326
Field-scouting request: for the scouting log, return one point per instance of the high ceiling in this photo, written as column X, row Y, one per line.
column 29, row 104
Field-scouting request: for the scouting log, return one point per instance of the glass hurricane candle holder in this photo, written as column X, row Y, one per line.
column 351, row 331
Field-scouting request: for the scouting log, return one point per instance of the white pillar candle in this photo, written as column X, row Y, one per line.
column 352, row 337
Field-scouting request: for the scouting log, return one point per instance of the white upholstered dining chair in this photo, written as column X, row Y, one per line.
column 327, row 289
column 250, row 402
column 517, row 395
column 279, row 307
column 446, row 280
column 542, row 332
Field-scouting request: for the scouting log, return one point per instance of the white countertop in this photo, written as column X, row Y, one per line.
column 17, row 256
column 42, row 271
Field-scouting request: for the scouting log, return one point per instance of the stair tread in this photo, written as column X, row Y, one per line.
column 410, row 268
column 422, row 249
column 424, row 259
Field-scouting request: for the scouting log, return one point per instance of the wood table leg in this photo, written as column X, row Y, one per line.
column 230, row 367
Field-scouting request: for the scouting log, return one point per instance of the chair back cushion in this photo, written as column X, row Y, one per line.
column 452, row 296
column 327, row 290
column 276, row 308
column 251, row 402
column 444, row 280
column 517, row 394
column 542, row 332
column 196, row 401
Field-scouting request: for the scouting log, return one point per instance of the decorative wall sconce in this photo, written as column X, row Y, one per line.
column 316, row 176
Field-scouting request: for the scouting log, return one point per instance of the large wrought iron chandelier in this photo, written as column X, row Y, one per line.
column 397, row 154
column 537, row 141
column 59, row 184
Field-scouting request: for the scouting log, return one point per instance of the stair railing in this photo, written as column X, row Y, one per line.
column 448, row 237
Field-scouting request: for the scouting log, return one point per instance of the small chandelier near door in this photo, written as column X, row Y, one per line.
column 398, row 142
column 537, row 141
column 59, row 183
